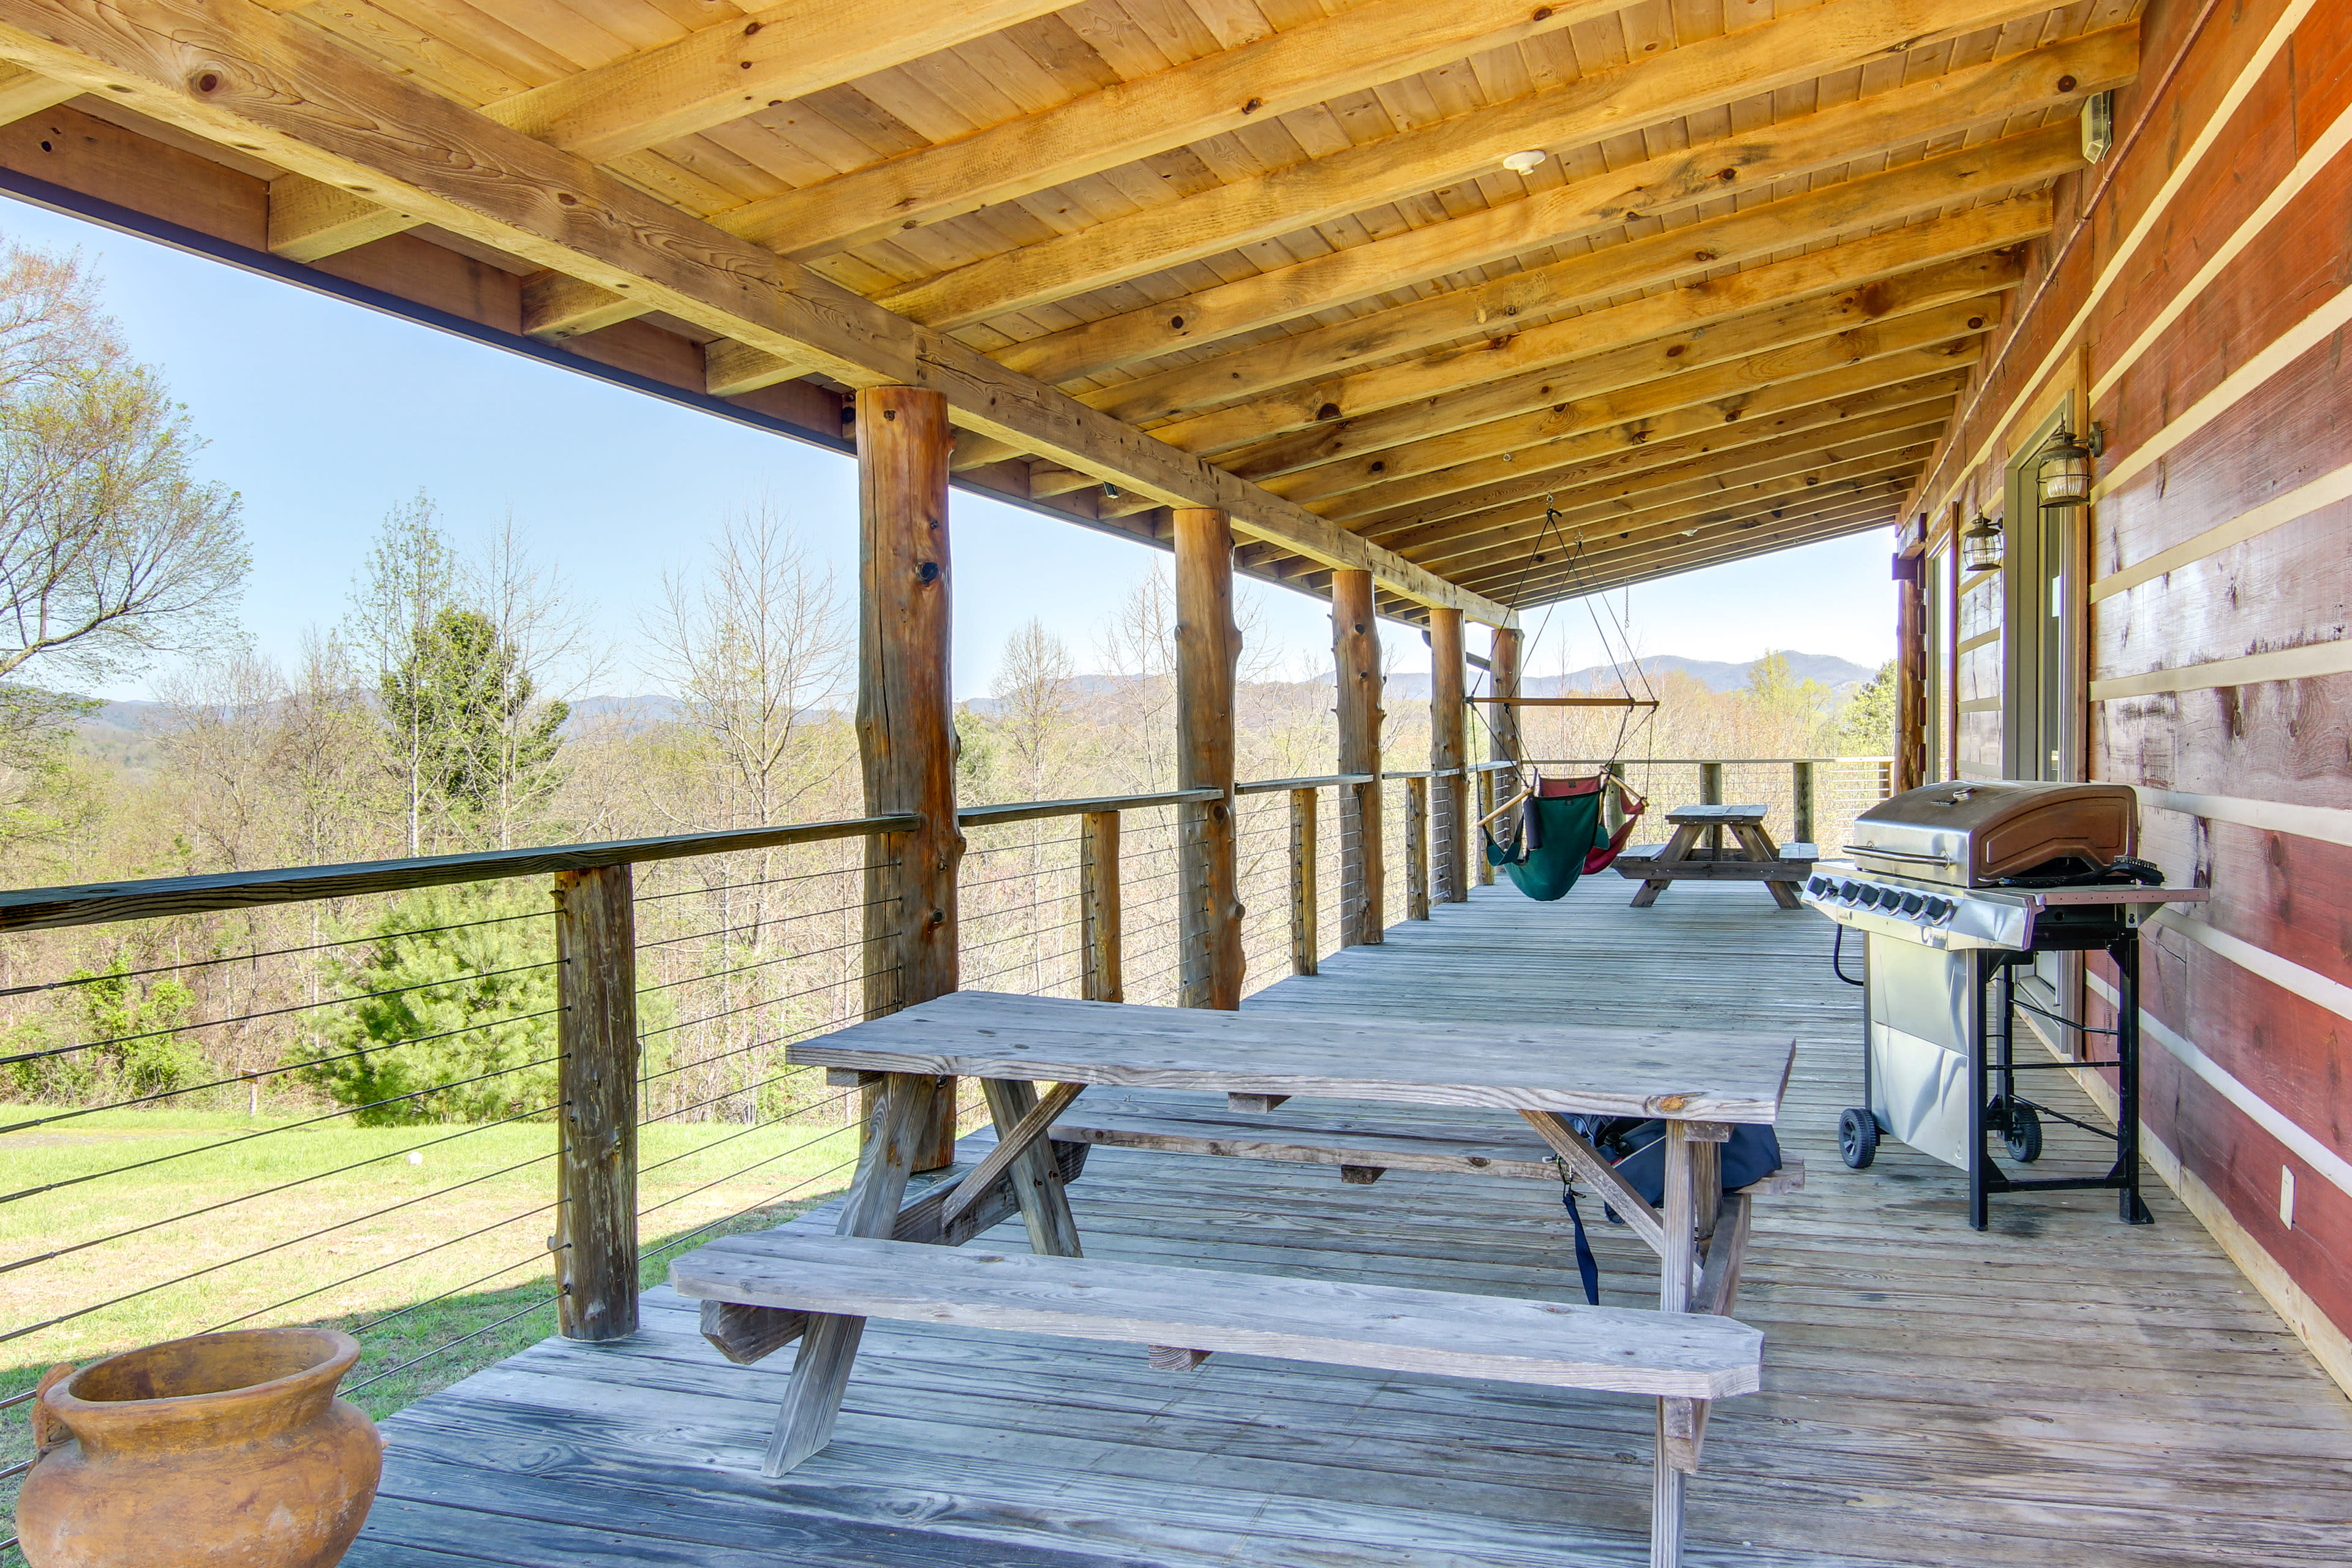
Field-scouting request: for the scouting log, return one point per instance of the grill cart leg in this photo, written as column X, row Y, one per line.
column 1979, row 1204
column 2125, row 950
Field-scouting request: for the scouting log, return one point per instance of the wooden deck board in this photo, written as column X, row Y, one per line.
column 2059, row 1389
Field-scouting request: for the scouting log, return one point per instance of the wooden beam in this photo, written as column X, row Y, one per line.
column 1326, row 381
column 1647, row 91
column 1362, row 46
column 1668, row 509
column 1740, row 417
column 556, row 307
column 1611, row 501
column 1904, row 117
column 1208, row 654
column 1734, row 535
column 310, row 221
column 1449, row 750
column 1730, row 393
column 1356, row 659
column 731, row 369
column 1322, row 375
column 277, row 90
column 905, row 713
column 1940, row 305
column 1765, row 537
column 24, row 94
column 742, row 66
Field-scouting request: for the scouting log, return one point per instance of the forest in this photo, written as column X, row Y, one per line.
column 460, row 700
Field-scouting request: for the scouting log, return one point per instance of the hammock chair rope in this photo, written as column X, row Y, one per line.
column 1560, row 834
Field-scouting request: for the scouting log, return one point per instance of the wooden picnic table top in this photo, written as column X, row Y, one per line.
column 1717, row 815
column 1679, row 1075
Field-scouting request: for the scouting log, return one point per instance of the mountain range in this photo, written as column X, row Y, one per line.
column 123, row 732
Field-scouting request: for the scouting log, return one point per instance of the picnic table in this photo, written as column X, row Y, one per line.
column 892, row 1260
column 1751, row 858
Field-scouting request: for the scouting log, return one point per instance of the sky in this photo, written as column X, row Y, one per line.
column 324, row 415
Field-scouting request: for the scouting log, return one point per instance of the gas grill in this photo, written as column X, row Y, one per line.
column 1954, row 888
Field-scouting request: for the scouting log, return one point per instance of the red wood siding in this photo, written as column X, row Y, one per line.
column 2272, row 1026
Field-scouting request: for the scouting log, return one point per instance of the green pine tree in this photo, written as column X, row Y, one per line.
column 486, row 745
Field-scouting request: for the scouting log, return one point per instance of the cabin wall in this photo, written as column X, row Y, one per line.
column 2197, row 296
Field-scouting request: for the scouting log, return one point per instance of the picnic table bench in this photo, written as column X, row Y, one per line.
column 1751, row 858
column 885, row 1260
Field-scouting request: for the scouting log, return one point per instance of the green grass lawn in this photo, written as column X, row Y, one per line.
column 428, row 1242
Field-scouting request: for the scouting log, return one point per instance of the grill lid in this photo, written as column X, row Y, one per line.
column 1971, row 832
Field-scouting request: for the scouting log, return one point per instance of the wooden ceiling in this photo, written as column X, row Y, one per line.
column 1257, row 254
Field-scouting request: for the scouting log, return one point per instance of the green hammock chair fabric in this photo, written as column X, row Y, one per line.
column 1558, row 836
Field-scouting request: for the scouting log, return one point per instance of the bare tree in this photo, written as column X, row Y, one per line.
column 753, row 650
column 554, row 655
column 1036, row 683
column 111, row 550
column 409, row 580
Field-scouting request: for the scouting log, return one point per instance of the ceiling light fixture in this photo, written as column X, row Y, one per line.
column 1524, row 163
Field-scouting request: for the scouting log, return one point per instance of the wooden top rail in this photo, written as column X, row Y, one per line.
column 1327, row 781
column 1036, row 810
column 1679, row 762
column 98, row 903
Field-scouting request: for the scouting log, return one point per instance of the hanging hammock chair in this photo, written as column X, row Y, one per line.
column 1557, row 834
column 1557, row 827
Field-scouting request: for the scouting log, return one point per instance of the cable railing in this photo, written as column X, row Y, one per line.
column 388, row 1097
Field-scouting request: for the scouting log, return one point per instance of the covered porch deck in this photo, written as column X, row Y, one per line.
column 2058, row 1389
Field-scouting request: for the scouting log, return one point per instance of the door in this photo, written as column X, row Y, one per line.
column 2043, row 718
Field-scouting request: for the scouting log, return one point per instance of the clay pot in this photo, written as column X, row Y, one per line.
column 220, row 1451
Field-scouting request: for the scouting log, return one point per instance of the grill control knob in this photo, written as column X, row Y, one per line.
column 1939, row 909
column 1868, row 897
column 1818, row 885
column 1846, row 892
column 1912, row 902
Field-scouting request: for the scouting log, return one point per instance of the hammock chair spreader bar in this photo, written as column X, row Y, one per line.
column 1567, row 701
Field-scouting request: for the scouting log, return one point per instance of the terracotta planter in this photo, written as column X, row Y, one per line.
column 220, row 1451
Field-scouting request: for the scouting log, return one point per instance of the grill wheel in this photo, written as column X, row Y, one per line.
column 1858, row 1138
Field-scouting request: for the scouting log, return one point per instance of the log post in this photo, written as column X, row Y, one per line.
column 1910, row 671
column 1416, row 848
column 1503, row 730
column 1207, row 652
column 1710, row 793
column 1800, row 796
column 595, row 1236
column 906, row 718
column 1356, row 659
column 1486, row 868
column 1302, row 881
column 1449, row 751
column 1098, row 915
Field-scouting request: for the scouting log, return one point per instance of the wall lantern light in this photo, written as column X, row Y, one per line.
column 1980, row 545
column 2064, row 466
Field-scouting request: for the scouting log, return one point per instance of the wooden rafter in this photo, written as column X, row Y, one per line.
column 1580, row 498
column 1691, row 537
column 1700, row 76
column 1911, row 250
column 1714, row 544
column 1937, row 305
column 1907, row 116
column 1507, row 538
column 1742, row 389
column 1620, row 450
column 272, row 89
column 741, row 67
column 1365, row 46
